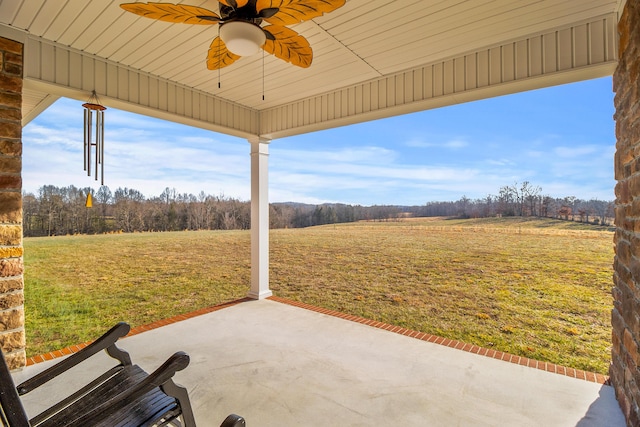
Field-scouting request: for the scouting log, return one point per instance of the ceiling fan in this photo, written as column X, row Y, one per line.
column 241, row 31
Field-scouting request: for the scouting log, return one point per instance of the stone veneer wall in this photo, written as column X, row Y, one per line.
column 12, row 335
column 625, row 318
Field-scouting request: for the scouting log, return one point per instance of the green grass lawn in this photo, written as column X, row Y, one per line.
column 536, row 288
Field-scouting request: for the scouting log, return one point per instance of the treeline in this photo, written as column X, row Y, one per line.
column 62, row 211
column 523, row 200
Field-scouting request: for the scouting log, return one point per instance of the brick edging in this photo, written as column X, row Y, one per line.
column 458, row 345
column 134, row 331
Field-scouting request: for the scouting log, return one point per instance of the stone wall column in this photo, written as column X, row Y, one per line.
column 12, row 335
column 625, row 318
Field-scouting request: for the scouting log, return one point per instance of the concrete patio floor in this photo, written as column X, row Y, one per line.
column 280, row 365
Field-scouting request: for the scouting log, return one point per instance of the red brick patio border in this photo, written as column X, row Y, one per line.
column 458, row 345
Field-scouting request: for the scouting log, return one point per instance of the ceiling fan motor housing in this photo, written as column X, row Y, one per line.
column 242, row 38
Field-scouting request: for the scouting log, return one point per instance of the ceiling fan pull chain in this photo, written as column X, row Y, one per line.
column 263, row 74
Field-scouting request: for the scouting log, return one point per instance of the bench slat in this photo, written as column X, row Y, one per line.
column 143, row 412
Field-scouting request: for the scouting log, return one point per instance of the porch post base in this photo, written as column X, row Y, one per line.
column 259, row 295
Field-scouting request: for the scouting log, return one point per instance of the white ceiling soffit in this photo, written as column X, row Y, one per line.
column 36, row 103
column 372, row 59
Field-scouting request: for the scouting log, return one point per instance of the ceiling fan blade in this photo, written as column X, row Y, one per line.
column 176, row 13
column 219, row 56
column 288, row 45
column 294, row 11
column 236, row 4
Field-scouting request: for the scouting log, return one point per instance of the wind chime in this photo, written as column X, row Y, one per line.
column 94, row 143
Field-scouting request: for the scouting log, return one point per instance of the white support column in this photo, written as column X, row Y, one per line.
column 259, row 218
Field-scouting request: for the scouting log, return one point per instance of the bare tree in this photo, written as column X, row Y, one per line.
column 530, row 196
column 127, row 207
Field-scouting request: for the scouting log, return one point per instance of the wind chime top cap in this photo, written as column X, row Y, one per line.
column 93, row 103
column 91, row 106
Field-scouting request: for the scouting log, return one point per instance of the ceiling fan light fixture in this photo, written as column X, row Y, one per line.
column 242, row 38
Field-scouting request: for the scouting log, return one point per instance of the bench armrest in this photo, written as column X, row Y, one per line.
column 105, row 342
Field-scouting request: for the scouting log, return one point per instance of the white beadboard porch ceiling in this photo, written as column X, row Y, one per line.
column 372, row 59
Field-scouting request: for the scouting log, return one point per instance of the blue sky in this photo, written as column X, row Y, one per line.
column 561, row 139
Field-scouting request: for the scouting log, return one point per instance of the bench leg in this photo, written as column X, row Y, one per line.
column 233, row 420
column 180, row 393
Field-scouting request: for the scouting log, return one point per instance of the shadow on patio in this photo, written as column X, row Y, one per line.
column 281, row 365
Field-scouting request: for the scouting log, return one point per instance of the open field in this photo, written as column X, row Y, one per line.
column 537, row 288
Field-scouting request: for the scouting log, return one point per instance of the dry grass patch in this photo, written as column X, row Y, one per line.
column 530, row 288
column 76, row 286
column 528, row 291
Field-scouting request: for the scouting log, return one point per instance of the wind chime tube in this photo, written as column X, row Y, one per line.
column 89, row 143
column 97, row 144
column 86, row 114
column 102, row 147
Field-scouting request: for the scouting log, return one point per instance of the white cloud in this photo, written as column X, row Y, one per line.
column 417, row 143
column 348, row 154
column 535, row 154
column 362, row 162
column 501, row 162
column 456, row 144
column 452, row 144
column 575, row 151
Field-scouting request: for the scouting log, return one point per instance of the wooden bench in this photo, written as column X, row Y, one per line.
column 123, row 396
